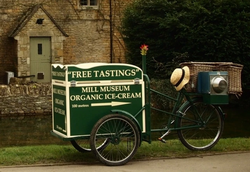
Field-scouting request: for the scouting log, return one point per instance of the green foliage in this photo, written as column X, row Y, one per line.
column 165, row 87
column 151, row 22
column 202, row 30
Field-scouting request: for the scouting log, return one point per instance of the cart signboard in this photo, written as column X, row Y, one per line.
column 84, row 93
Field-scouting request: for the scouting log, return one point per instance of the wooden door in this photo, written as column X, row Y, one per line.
column 40, row 59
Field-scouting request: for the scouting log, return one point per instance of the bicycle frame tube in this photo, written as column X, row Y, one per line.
column 174, row 113
column 177, row 102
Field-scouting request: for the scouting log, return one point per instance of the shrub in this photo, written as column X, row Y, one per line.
column 188, row 30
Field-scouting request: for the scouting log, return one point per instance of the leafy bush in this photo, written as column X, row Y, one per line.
column 165, row 87
column 188, row 30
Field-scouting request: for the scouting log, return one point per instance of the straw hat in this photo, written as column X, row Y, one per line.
column 180, row 77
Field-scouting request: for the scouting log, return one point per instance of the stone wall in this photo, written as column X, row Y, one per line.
column 25, row 115
column 22, row 97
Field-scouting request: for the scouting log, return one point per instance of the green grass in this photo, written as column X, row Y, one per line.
column 174, row 148
column 51, row 154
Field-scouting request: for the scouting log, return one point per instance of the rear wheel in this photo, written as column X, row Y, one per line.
column 123, row 139
column 202, row 126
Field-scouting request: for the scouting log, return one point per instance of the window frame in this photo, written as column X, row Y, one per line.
column 88, row 6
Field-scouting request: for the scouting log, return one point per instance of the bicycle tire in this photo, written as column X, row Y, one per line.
column 82, row 145
column 210, row 127
column 124, row 139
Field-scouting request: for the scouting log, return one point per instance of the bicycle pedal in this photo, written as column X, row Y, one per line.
column 162, row 140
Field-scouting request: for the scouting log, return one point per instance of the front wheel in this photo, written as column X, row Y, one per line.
column 201, row 125
column 123, row 138
column 82, row 145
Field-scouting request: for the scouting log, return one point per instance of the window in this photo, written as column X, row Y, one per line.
column 40, row 48
column 88, row 3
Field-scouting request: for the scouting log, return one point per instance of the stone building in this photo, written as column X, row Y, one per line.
column 36, row 33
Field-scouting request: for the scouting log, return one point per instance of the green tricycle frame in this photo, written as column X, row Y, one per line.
column 108, row 106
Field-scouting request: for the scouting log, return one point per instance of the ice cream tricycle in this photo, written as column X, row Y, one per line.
column 108, row 106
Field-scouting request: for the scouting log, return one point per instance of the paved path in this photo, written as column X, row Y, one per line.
column 239, row 162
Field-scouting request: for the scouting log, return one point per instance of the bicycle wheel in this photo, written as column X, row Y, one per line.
column 123, row 138
column 202, row 125
column 82, row 145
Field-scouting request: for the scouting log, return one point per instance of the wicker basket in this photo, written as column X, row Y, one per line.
column 233, row 69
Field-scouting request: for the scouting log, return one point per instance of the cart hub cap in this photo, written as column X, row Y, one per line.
column 115, row 140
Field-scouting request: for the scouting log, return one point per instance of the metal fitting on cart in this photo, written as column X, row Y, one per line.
column 213, row 85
